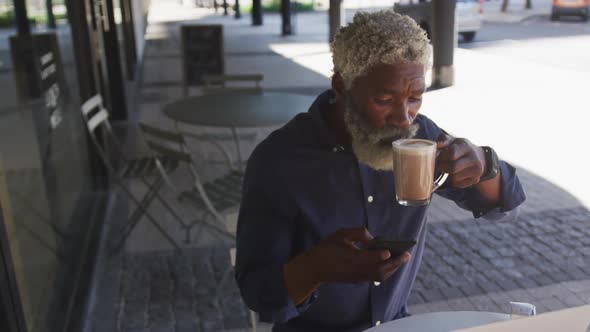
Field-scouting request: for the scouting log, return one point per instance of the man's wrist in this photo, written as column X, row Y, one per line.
column 491, row 168
column 301, row 278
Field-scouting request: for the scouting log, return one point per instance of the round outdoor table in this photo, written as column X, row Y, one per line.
column 238, row 109
column 440, row 321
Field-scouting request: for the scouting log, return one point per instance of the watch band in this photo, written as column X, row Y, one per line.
column 492, row 166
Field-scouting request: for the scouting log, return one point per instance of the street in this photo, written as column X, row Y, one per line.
column 564, row 44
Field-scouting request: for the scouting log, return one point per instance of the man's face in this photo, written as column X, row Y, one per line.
column 380, row 108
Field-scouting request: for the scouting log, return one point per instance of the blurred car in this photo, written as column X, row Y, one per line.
column 571, row 8
column 468, row 15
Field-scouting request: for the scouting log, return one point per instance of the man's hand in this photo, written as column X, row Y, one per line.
column 463, row 161
column 339, row 259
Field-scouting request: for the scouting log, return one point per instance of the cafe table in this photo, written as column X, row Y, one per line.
column 440, row 321
column 238, row 109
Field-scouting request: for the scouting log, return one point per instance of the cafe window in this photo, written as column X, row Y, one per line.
column 47, row 191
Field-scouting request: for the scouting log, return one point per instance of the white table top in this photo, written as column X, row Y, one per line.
column 239, row 109
column 440, row 321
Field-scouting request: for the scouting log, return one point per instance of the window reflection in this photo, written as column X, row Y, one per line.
column 46, row 188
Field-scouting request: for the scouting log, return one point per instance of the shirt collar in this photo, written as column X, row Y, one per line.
column 324, row 134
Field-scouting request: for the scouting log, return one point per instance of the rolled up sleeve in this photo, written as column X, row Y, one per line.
column 511, row 196
column 265, row 242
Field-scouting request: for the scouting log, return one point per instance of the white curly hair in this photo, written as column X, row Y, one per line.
column 382, row 37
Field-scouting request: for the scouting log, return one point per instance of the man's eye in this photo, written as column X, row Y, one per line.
column 383, row 101
column 415, row 99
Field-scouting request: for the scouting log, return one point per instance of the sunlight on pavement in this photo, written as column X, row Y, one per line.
column 313, row 56
column 168, row 11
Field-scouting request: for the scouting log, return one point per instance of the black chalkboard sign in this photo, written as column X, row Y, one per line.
column 202, row 52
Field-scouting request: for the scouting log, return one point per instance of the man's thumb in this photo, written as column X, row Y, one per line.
column 444, row 140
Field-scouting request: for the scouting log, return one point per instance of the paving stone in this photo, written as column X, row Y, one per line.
column 135, row 315
column 451, row 292
column 500, row 298
column 577, row 286
column 577, row 274
column 460, row 304
column 160, row 315
column 162, row 329
column 415, row 298
column 527, row 282
column 552, row 304
column 489, row 286
column 484, row 303
column 503, row 263
column 471, row 289
column 507, row 284
column 188, row 326
column 572, row 301
column 549, row 291
column 584, row 296
column 542, row 279
column 431, row 295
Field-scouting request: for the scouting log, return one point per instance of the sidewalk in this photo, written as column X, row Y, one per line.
column 516, row 11
column 543, row 258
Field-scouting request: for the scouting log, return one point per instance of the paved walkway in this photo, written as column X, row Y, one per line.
column 543, row 258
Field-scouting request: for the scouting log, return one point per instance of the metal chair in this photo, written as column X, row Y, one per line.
column 122, row 168
column 214, row 196
column 211, row 197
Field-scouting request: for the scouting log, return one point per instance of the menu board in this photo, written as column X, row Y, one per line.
column 202, row 52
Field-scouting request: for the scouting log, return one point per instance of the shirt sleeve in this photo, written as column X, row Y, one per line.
column 265, row 242
column 511, row 196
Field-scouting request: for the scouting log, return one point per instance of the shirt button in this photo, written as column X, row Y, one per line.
column 378, row 323
column 370, row 199
column 376, row 283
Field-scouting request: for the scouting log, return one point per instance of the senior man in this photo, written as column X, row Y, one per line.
column 317, row 190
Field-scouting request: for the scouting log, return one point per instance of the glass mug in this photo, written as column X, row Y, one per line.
column 413, row 170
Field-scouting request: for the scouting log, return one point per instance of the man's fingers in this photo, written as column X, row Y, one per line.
column 444, row 140
column 352, row 235
column 455, row 167
column 388, row 268
column 465, row 183
column 466, row 177
column 453, row 152
column 374, row 256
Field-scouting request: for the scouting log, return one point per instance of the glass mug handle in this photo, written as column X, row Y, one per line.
column 439, row 181
column 441, row 178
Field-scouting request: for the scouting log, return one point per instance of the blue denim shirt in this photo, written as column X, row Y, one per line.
column 300, row 187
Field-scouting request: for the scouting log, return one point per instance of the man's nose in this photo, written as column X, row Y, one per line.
column 399, row 115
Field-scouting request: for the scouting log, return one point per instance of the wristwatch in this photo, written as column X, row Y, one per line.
column 492, row 167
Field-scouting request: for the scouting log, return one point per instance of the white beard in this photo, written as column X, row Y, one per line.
column 372, row 146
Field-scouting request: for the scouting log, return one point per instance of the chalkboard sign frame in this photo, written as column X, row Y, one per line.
column 190, row 76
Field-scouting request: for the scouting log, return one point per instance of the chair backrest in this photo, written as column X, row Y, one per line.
column 165, row 143
column 97, row 122
column 95, row 114
column 223, row 80
column 171, row 144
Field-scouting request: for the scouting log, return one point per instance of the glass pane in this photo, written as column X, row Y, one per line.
column 45, row 180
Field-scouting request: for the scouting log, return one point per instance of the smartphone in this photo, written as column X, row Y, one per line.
column 395, row 247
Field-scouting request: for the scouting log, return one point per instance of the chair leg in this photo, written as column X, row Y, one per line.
column 142, row 206
column 151, row 219
column 253, row 320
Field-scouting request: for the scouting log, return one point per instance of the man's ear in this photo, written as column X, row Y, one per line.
column 338, row 85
